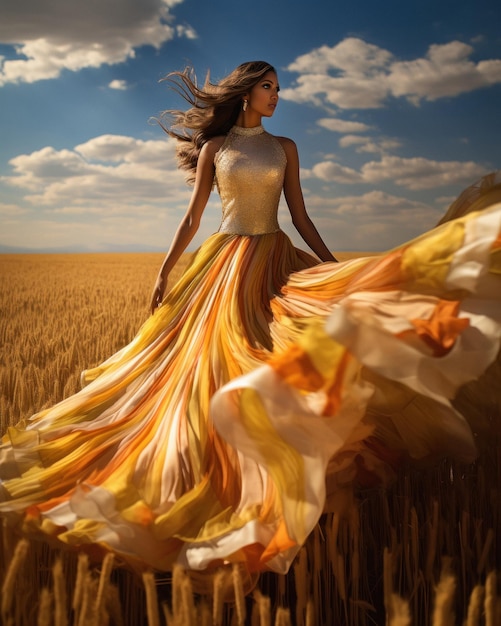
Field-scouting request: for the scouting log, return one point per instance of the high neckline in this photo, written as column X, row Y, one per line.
column 248, row 132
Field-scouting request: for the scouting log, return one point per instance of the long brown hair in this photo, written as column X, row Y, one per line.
column 214, row 108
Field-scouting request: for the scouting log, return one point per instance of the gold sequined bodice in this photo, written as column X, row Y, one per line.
column 250, row 169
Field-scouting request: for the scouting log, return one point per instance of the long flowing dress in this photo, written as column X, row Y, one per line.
column 265, row 385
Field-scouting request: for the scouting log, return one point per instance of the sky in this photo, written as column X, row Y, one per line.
column 394, row 107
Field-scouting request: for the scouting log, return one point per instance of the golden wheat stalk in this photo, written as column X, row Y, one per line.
column 218, row 597
column 282, row 617
column 60, row 608
column 9, row 583
column 261, row 610
column 102, row 590
column 443, row 611
column 151, row 599
column 239, row 595
column 475, row 606
column 189, row 611
column 78, row 591
column 86, row 616
column 44, row 616
column 491, row 600
column 400, row 612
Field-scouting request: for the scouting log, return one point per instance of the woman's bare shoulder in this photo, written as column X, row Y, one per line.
column 287, row 144
column 213, row 144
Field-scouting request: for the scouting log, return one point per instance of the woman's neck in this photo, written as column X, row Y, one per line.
column 248, row 119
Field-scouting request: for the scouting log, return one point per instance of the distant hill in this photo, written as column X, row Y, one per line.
column 77, row 250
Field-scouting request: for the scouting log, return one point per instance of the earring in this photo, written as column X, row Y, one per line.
column 244, row 106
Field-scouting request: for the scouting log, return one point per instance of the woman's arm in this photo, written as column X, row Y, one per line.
column 191, row 220
column 295, row 202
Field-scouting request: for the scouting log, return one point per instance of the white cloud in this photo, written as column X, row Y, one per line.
column 331, row 171
column 353, row 140
column 445, row 71
column 414, row 173
column 366, row 144
column 106, row 170
column 72, row 35
column 184, row 30
column 121, row 85
column 346, row 92
column 356, row 75
column 352, row 55
column 380, row 146
column 342, row 126
column 419, row 173
column 373, row 203
column 116, row 148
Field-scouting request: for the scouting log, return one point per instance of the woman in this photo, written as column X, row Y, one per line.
column 263, row 375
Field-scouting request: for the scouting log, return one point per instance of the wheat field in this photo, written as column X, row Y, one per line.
column 424, row 552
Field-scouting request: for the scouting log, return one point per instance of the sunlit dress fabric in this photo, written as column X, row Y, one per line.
column 264, row 386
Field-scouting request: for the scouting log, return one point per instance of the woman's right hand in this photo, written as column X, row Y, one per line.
column 158, row 293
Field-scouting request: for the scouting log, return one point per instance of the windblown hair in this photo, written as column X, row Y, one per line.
column 214, row 109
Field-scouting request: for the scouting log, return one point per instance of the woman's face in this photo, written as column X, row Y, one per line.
column 263, row 97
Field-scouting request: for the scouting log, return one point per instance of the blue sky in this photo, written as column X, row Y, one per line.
column 394, row 107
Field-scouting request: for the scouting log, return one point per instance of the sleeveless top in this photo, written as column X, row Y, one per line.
column 250, row 169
